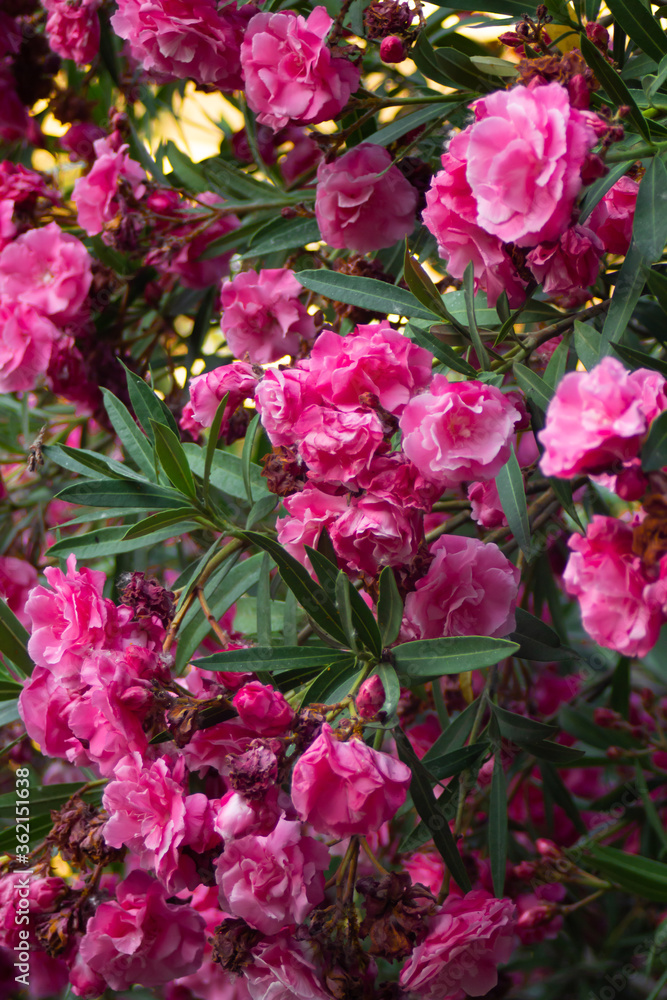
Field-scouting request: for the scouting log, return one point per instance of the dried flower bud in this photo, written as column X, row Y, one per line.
column 233, row 944
column 146, row 596
column 395, row 913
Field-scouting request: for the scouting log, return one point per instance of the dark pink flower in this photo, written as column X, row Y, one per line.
column 610, row 583
column 524, row 158
column 470, row 588
column 284, row 969
column 371, row 697
column 48, row 269
column 345, row 788
column 20, row 188
column 17, row 578
column 457, row 431
column 208, row 390
column 290, row 74
column 281, row 397
column 27, row 338
column 466, row 941
column 263, row 708
column 612, row 218
column 73, row 28
column 141, row 939
column 486, row 508
column 177, row 39
column 372, row 533
column 307, row 513
column 337, row 445
column 272, row 881
column 45, row 705
column 95, row 194
column 598, row 418
column 363, row 201
column 569, row 266
column 262, row 315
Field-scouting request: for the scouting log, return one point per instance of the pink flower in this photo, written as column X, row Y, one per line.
column 281, row 397
column 486, row 508
column 458, row 431
column 38, row 898
column 209, row 389
column 470, row 588
column 371, row 697
column 373, row 359
column 609, row 582
column 307, row 513
column 598, row 418
column 95, row 194
column 524, row 159
column 73, row 29
column 47, row 269
column 20, row 189
column 177, row 39
column 568, row 266
column 141, row 939
column 262, row 315
column 17, row 578
column 372, row 533
column 263, row 708
column 234, row 815
column 612, row 218
column 395, row 479
column 71, row 619
column 363, row 201
column 467, row 940
column 26, row 342
column 343, row 789
column 337, row 445
column 284, row 969
column 290, row 74
column 272, row 881
column 45, row 706
column 451, row 215
column 150, row 813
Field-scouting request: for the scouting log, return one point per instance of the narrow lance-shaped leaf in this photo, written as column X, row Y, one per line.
column 14, row 639
column 390, row 607
column 172, row 459
column 428, row 658
column 509, row 483
column 498, row 826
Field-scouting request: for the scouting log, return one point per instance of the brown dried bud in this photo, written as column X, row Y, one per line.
column 53, row 930
column 252, row 772
column 649, row 538
column 78, row 833
column 307, row 726
column 283, row 471
column 233, row 944
column 395, row 913
column 387, row 17
column 146, row 596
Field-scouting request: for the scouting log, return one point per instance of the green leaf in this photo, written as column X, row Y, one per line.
column 114, row 541
column 333, row 683
column 189, row 173
column 180, row 516
column 558, row 363
column 314, row 600
column 378, row 297
column 424, row 289
column 469, row 292
column 455, row 761
column 232, row 182
column 554, row 786
column 363, row 622
column 14, row 639
column 342, row 591
column 555, row 753
column 426, row 805
column 534, row 387
column 657, row 282
column 580, row 724
column 511, row 493
column 260, row 509
column 276, row 659
column 537, row 640
column 264, row 603
column 43, row 800
column 173, row 460
column 586, row 344
column 639, row 876
column 640, row 26
column 136, row 445
column 442, row 352
column 426, row 659
column 637, row 359
column 84, row 462
column 115, row 493
column 389, row 606
column 400, row 126
column 148, row 406
column 520, row 729
column 497, row 831
column 391, row 685
column 9, row 712
column 283, row 234
column 613, row 85
column 654, row 451
column 246, row 457
column 226, row 472
column 455, row 735
column 212, row 443
column 449, row 66
column 596, row 191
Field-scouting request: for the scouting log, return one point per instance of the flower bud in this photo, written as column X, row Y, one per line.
column 371, row 697
column 392, row 49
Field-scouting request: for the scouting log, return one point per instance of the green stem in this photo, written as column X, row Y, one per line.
column 638, row 152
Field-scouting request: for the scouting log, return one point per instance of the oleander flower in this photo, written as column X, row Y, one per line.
column 262, row 315
column 73, row 28
column 27, row 338
column 96, row 193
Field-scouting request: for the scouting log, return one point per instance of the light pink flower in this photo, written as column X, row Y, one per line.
column 284, row 969
column 71, row 619
column 262, row 315
column 263, row 708
column 307, row 513
column 45, row 705
column 612, row 217
column 609, row 581
column 17, row 578
column 524, row 158
column 451, row 215
column 152, row 816
column 598, row 418
column 73, row 29
column 141, row 939
column 208, row 390
column 95, row 194
column 272, row 881
column 457, row 431
column 290, row 74
column 337, row 445
column 373, row 533
column 470, row 588
column 568, row 266
column 373, row 359
column 347, row 788
column 281, row 397
column 363, row 202
column 394, row 478
column 177, row 39
column 48, row 269
column 26, row 342
column 467, row 940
